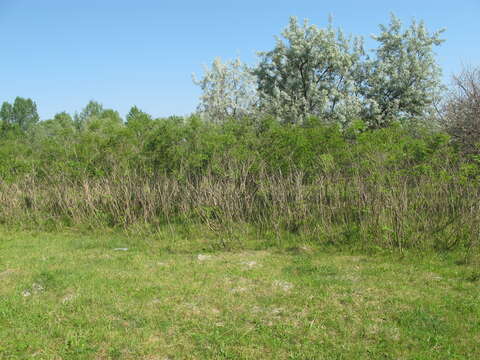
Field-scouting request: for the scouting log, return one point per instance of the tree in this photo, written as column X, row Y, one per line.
column 63, row 118
column 23, row 113
column 94, row 112
column 228, row 91
column 6, row 113
column 403, row 80
column 111, row 115
column 60, row 122
column 91, row 110
column 461, row 111
column 137, row 115
column 51, row 130
column 310, row 72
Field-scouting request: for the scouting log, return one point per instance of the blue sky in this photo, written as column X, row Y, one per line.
column 143, row 52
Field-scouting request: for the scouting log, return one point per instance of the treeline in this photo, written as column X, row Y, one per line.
column 266, row 163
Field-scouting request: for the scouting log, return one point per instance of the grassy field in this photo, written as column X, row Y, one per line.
column 66, row 296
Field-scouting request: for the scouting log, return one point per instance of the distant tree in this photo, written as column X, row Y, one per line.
column 94, row 112
column 91, row 110
column 23, row 113
column 6, row 113
column 63, row 118
column 310, row 72
column 137, row 115
column 111, row 115
column 138, row 121
column 61, row 125
column 228, row 91
column 402, row 81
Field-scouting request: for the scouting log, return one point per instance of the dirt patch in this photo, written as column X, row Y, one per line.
column 7, row 272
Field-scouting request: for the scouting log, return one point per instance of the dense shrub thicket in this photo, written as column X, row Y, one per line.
column 391, row 187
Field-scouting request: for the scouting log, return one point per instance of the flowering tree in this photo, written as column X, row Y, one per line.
column 310, row 72
column 320, row 72
column 403, row 80
column 228, row 91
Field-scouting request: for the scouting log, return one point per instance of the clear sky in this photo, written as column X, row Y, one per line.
column 62, row 53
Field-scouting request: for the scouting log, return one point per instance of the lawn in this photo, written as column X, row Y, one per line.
column 70, row 296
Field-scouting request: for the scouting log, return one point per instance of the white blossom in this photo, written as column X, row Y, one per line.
column 228, row 91
column 403, row 80
column 310, row 72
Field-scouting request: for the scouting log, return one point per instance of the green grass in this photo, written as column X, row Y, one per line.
column 67, row 296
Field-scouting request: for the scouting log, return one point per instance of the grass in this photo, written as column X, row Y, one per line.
column 71, row 296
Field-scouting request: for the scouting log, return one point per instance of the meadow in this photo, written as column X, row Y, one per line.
column 110, row 296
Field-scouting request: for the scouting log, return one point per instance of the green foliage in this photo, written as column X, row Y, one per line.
column 190, row 147
column 91, row 110
column 391, row 187
column 291, row 148
column 22, row 114
column 136, row 118
column 6, row 113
